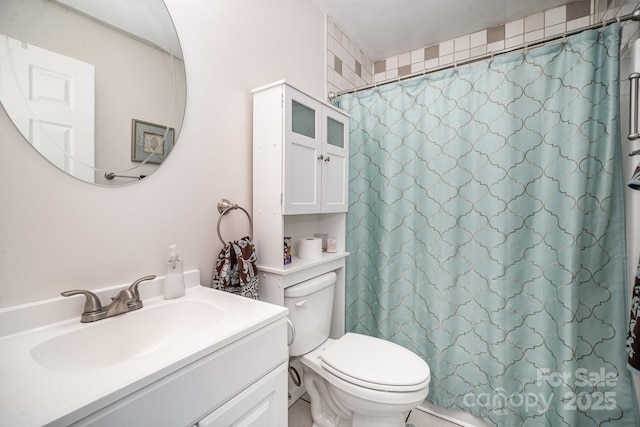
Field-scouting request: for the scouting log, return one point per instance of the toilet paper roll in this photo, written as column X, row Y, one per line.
column 310, row 248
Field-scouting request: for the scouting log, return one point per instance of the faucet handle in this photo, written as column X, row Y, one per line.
column 134, row 285
column 134, row 290
column 92, row 307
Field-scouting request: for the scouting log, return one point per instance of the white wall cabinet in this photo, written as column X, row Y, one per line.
column 300, row 187
column 314, row 157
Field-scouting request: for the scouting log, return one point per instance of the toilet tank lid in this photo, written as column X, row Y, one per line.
column 310, row 286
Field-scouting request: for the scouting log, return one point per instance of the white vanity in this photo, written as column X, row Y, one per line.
column 207, row 359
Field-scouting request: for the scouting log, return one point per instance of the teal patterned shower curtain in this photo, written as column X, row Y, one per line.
column 486, row 232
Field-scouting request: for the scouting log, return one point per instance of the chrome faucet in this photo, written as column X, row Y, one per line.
column 126, row 300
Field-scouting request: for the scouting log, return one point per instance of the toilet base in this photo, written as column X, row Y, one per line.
column 325, row 412
column 336, row 403
column 328, row 409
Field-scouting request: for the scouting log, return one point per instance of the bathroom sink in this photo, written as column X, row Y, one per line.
column 111, row 341
column 57, row 371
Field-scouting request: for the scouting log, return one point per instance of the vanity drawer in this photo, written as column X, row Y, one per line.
column 188, row 395
column 261, row 405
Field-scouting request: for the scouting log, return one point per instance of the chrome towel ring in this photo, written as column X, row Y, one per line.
column 224, row 207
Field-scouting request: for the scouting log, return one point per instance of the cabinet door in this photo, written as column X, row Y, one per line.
column 264, row 404
column 302, row 150
column 335, row 173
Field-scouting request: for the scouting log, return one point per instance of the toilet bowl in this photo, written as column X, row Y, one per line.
column 356, row 380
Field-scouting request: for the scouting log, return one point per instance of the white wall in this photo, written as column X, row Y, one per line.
column 57, row 233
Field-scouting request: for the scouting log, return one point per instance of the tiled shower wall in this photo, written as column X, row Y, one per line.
column 348, row 68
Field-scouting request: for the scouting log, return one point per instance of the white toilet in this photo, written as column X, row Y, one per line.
column 357, row 380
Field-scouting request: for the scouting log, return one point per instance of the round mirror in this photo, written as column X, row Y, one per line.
column 96, row 87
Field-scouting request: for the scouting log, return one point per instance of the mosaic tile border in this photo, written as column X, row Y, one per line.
column 348, row 67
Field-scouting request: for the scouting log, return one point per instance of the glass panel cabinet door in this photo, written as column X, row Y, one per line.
column 302, row 151
column 335, row 167
column 335, row 132
column 303, row 119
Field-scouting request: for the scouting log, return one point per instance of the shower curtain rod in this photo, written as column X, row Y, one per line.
column 634, row 16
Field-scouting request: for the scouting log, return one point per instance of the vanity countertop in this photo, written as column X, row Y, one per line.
column 34, row 395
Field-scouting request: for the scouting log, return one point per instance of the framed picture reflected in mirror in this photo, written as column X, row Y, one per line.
column 150, row 143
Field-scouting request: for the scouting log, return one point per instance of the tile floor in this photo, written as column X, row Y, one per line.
column 300, row 416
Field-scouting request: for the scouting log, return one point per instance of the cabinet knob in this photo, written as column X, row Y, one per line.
column 327, row 159
column 320, row 157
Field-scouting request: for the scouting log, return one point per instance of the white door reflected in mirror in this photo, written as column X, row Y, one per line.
column 52, row 104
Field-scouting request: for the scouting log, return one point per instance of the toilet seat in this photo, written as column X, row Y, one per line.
column 375, row 364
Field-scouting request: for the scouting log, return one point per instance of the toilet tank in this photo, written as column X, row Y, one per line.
column 310, row 305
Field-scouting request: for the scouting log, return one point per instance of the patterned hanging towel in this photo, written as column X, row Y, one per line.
column 236, row 269
column 634, row 182
column 633, row 336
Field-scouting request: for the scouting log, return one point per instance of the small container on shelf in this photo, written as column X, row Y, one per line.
column 287, row 250
column 332, row 245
